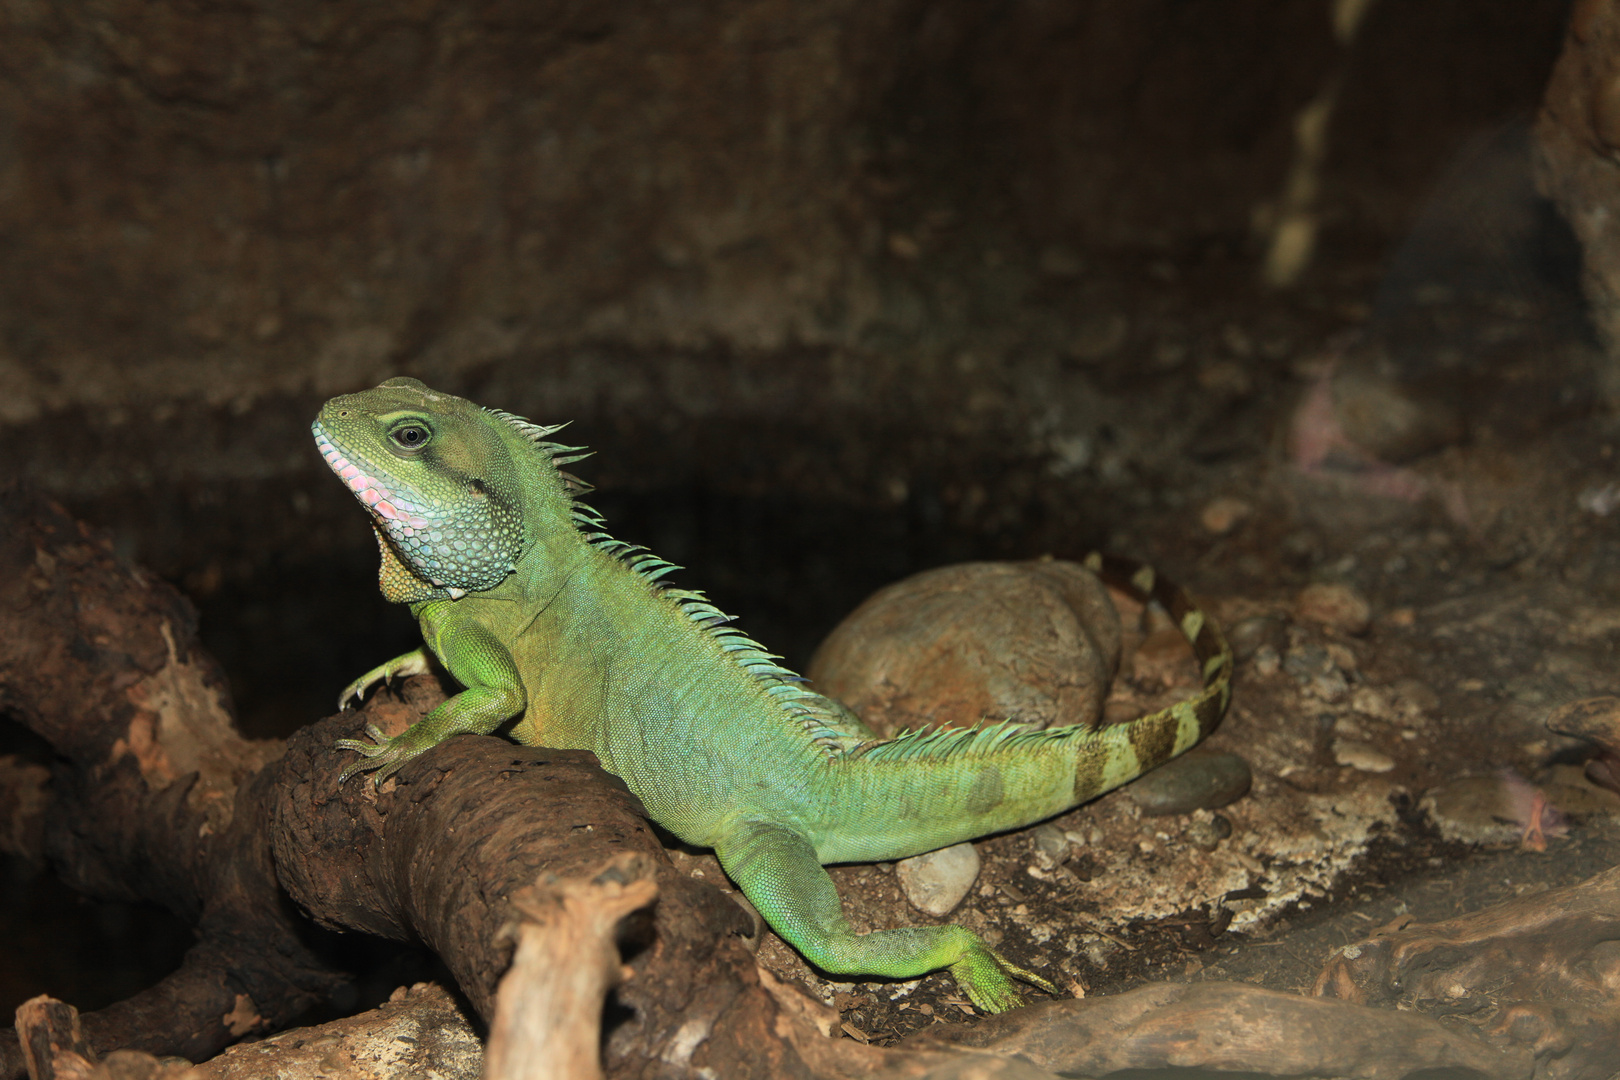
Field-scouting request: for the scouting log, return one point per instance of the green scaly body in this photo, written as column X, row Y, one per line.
column 545, row 619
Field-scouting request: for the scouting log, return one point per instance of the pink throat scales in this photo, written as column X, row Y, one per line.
column 397, row 513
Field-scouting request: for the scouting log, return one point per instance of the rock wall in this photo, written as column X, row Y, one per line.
column 211, row 204
column 1578, row 131
column 881, row 253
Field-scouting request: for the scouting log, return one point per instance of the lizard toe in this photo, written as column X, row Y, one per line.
column 986, row 977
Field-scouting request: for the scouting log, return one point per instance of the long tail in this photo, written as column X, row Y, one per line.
column 926, row 789
column 1157, row 737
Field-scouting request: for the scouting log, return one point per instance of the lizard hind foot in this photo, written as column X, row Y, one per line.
column 986, row 977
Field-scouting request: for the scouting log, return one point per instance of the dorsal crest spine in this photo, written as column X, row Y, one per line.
column 818, row 717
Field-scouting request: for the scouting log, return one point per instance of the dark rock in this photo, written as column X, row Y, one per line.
column 1192, row 782
column 1209, row 834
column 1248, row 636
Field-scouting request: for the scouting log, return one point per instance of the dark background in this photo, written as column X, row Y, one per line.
column 837, row 290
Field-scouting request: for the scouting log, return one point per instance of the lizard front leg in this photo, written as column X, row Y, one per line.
column 414, row 662
column 777, row 869
column 494, row 694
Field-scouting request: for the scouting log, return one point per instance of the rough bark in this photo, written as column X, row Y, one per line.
column 1538, row 974
column 438, row 854
column 153, row 795
column 156, row 797
column 423, row 1031
column 99, row 659
column 49, row 1031
column 548, row 1014
column 1226, row 1026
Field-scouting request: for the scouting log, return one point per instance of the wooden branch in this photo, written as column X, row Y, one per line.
column 437, row 855
column 53, row 1042
column 157, row 797
column 548, row 1011
column 417, row 1032
column 422, row 1031
column 1537, row 974
column 1228, row 1027
column 154, row 794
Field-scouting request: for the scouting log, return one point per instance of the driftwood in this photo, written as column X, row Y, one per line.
column 1225, row 1026
column 548, row 1012
column 52, row 1039
column 1538, row 976
column 422, row 1031
column 154, row 795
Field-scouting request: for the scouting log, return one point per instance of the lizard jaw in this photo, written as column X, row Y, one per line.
column 396, row 512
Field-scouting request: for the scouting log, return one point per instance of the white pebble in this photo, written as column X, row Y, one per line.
column 936, row 882
column 1358, row 755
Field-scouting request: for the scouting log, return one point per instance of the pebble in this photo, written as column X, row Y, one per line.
column 1334, row 605
column 1051, row 846
column 1252, row 634
column 1193, row 781
column 1342, row 657
column 1313, row 667
column 1371, row 701
column 1266, row 660
column 936, row 882
column 1360, row 755
column 1478, row 809
column 1221, row 516
column 1208, row 834
column 1307, row 661
column 1417, row 698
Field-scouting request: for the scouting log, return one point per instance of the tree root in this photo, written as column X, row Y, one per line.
column 154, row 795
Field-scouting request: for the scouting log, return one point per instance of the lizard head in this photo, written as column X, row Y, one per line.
column 438, row 476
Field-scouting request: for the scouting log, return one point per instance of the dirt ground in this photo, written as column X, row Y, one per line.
column 1396, row 751
column 994, row 291
column 1488, row 571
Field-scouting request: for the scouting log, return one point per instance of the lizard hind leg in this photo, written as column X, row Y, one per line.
column 777, row 869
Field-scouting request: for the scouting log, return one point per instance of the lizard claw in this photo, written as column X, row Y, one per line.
column 983, row 976
column 383, row 754
column 411, row 663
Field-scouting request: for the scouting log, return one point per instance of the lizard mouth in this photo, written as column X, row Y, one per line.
column 398, row 513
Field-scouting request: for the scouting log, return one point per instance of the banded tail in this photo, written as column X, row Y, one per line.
column 930, row 788
column 1159, row 736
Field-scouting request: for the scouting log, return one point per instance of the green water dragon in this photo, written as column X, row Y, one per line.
column 575, row 640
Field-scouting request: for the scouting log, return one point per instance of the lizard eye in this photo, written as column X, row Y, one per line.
column 410, row 437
